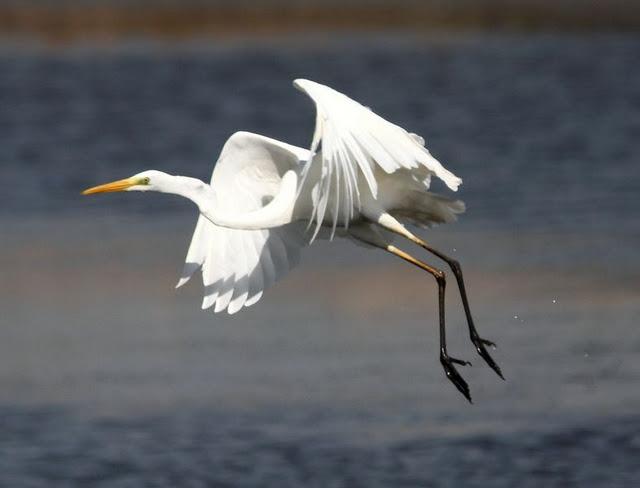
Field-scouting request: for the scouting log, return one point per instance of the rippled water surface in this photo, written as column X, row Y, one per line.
column 208, row 450
column 109, row 377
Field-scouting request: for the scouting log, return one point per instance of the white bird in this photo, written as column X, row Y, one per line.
column 363, row 178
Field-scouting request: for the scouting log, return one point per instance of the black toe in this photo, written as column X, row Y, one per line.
column 454, row 376
column 480, row 344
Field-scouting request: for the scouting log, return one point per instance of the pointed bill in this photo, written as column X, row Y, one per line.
column 119, row 185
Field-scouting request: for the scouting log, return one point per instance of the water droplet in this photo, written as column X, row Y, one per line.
column 554, row 300
column 515, row 317
column 586, row 354
column 455, row 250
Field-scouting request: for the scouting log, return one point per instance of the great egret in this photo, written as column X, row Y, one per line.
column 367, row 181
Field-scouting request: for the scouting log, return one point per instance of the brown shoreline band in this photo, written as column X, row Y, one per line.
column 101, row 22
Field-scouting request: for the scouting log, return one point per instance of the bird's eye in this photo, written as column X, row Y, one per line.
column 145, row 180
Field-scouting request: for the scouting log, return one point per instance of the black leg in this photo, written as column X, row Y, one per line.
column 477, row 341
column 446, row 361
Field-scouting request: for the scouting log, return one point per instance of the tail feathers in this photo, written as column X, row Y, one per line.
column 426, row 209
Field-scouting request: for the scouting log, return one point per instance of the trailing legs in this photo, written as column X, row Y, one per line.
column 446, row 360
column 390, row 223
column 477, row 341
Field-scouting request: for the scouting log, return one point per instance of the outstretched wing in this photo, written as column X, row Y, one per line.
column 238, row 265
column 354, row 142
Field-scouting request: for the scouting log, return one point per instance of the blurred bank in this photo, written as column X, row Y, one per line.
column 109, row 20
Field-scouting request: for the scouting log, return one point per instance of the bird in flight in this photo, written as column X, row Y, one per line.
column 363, row 178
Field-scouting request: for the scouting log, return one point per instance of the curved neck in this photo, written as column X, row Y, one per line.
column 276, row 213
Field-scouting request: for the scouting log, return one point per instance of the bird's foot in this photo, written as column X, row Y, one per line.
column 453, row 375
column 480, row 344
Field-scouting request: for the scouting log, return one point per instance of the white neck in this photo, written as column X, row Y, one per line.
column 276, row 213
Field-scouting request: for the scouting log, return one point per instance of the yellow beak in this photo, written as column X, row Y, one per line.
column 120, row 185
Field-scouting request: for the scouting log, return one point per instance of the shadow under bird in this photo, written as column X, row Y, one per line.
column 363, row 178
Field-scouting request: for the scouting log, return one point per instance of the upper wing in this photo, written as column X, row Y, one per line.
column 354, row 141
column 237, row 265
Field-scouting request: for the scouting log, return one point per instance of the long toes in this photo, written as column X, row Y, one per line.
column 455, row 378
column 482, row 351
column 488, row 343
column 461, row 362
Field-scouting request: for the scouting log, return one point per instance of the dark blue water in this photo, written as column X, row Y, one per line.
column 240, row 451
column 543, row 129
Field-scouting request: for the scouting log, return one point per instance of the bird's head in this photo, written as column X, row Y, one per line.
column 151, row 180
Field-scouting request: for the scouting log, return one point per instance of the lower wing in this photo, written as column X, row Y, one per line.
column 238, row 265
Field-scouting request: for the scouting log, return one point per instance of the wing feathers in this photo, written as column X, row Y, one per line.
column 239, row 264
column 355, row 141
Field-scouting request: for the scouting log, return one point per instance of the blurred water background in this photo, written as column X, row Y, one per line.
column 109, row 377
